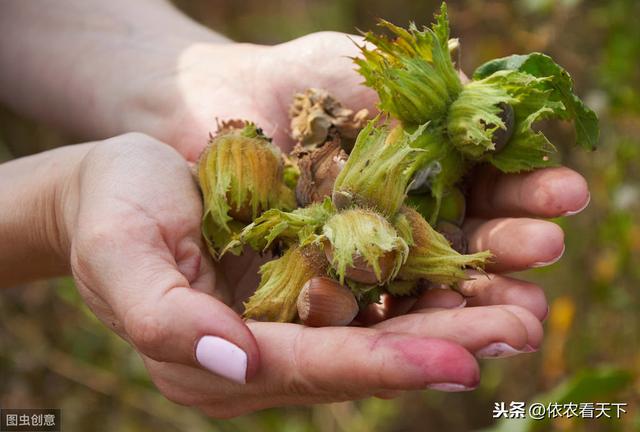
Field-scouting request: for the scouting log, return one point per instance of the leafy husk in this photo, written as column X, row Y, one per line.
column 543, row 90
column 240, row 173
column 431, row 257
column 302, row 226
column 366, row 234
column 281, row 282
column 412, row 73
column 382, row 165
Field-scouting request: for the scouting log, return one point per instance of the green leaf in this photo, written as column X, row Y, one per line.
column 559, row 83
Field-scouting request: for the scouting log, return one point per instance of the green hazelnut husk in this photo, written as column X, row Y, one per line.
column 413, row 72
column 241, row 175
column 301, row 226
column 362, row 245
column 281, row 282
column 431, row 256
column 477, row 117
column 381, row 167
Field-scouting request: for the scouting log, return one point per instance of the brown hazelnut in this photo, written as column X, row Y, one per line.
column 324, row 302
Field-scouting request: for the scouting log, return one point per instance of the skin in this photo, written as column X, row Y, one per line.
column 122, row 215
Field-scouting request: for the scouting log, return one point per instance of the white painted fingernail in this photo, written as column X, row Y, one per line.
column 547, row 263
column 497, row 350
column 575, row 212
column 222, row 358
column 449, row 387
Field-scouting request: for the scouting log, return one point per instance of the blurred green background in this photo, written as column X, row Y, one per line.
column 54, row 353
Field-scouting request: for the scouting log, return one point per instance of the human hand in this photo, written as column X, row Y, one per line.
column 508, row 321
column 258, row 83
column 131, row 215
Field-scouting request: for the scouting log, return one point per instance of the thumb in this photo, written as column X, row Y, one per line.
column 166, row 319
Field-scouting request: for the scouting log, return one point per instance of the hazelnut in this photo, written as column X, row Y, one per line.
column 324, row 302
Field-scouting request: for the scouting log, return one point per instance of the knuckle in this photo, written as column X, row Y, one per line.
column 305, row 380
column 146, row 332
column 107, row 233
column 97, row 233
column 300, row 382
column 517, row 333
column 125, row 146
column 506, row 317
column 548, row 201
column 137, row 139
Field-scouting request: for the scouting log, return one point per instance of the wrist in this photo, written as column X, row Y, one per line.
column 59, row 205
column 34, row 240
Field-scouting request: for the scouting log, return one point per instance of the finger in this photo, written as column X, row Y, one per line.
column 491, row 331
column 159, row 312
column 388, row 394
column 490, row 289
column 517, row 244
column 308, row 365
column 547, row 192
column 357, row 361
column 439, row 298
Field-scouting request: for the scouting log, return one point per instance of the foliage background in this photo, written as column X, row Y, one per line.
column 54, row 353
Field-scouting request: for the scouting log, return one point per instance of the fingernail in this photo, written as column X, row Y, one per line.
column 528, row 349
column 498, row 350
column 575, row 212
column 222, row 358
column 461, row 305
column 546, row 263
column 449, row 387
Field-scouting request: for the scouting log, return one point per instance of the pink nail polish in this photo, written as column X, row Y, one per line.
column 546, row 263
column 222, row 358
column 497, row 350
column 575, row 212
column 449, row 387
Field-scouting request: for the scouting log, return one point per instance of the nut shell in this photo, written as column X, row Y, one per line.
column 502, row 136
column 361, row 271
column 454, row 235
column 324, row 302
column 319, row 168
